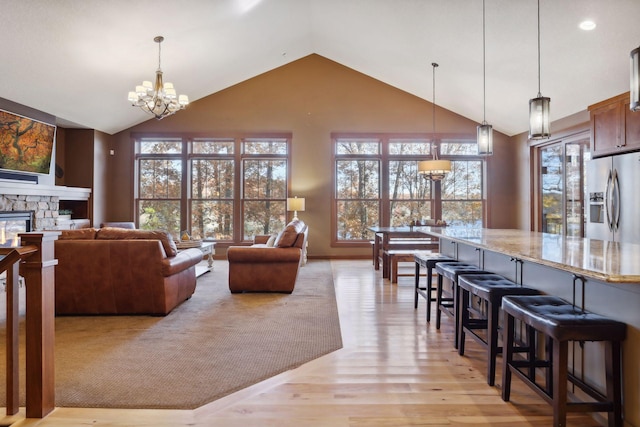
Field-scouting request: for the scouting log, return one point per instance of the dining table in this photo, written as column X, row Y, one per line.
column 383, row 238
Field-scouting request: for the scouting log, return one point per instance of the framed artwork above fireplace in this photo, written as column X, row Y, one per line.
column 26, row 145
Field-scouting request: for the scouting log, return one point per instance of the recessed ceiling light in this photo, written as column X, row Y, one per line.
column 587, row 25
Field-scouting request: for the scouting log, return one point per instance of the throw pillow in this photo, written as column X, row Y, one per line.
column 288, row 236
column 113, row 233
column 272, row 240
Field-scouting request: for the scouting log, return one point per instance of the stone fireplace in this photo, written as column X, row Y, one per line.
column 44, row 209
column 11, row 224
column 42, row 201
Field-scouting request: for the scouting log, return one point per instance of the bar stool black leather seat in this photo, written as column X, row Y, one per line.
column 562, row 322
column 447, row 305
column 428, row 261
column 490, row 288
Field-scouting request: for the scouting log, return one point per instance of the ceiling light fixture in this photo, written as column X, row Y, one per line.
column 485, row 130
column 158, row 99
column 539, row 111
column 635, row 80
column 434, row 169
column 587, row 25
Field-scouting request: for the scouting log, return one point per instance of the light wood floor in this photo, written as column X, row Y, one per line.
column 394, row 370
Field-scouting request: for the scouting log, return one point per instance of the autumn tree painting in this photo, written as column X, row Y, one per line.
column 25, row 145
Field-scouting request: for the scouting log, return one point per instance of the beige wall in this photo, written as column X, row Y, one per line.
column 311, row 98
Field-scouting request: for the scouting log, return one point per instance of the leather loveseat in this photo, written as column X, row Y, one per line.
column 119, row 271
column 268, row 268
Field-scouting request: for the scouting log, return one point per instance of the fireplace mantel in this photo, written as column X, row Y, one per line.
column 64, row 193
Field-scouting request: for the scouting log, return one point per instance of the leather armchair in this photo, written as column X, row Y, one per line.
column 262, row 268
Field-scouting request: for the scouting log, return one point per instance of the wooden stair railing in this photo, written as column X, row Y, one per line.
column 35, row 262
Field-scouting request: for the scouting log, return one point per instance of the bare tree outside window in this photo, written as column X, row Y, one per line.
column 373, row 174
column 217, row 199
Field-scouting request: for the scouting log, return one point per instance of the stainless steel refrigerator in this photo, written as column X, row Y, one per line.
column 613, row 185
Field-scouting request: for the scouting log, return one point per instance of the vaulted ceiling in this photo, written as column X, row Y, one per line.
column 77, row 59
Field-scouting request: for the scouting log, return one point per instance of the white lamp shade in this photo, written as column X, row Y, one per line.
column 539, row 120
column 434, row 166
column 485, row 139
column 635, row 80
column 295, row 204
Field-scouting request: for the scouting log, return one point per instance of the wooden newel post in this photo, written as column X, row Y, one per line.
column 39, row 275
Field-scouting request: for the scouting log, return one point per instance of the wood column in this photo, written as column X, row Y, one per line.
column 38, row 272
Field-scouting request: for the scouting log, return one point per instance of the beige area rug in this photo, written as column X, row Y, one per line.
column 210, row 346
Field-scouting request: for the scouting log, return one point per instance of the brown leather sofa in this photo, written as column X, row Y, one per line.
column 266, row 268
column 120, row 271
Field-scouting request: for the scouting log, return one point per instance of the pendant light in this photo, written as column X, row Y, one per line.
column 635, row 80
column 485, row 130
column 539, row 113
column 434, row 169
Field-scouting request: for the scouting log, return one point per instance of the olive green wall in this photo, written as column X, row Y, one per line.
column 311, row 98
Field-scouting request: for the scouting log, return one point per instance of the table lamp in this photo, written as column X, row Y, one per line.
column 295, row 204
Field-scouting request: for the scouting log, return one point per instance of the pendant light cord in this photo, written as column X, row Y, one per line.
column 484, row 72
column 539, row 93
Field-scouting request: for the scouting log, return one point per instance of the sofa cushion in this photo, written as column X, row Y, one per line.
column 113, row 233
column 272, row 240
column 78, row 234
column 287, row 237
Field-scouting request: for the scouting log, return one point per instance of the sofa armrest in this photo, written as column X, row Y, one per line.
column 248, row 254
column 183, row 260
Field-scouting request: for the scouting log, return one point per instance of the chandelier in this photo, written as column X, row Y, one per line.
column 158, row 99
column 434, row 169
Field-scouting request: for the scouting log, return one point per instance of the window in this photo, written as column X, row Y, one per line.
column 377, row 184
column 409, row 194
column 357, row 187
column 160, row 185
column 462, row 203
column 224, row 189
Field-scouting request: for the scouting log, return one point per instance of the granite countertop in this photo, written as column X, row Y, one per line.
column 612, row 262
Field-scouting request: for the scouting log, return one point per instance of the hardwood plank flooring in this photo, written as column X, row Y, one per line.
column 394, row 370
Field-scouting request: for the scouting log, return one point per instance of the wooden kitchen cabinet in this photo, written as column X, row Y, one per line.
column 614, row 128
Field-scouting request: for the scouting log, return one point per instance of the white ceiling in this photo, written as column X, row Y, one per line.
column 77, row 59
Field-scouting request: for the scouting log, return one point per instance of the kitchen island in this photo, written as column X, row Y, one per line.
column 599, row 276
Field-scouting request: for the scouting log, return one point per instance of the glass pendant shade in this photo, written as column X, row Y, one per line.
column 635, row 80
column 539, row 120
column 485, row 139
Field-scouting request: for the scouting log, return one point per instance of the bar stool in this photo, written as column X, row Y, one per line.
column 428, row 261
column 562, row 322
column 490, row 288
column 451, row 270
